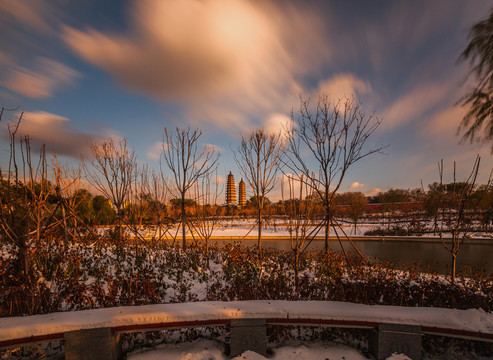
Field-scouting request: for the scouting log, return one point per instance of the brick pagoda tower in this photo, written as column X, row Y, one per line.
column 242, row 194
column 230, row 190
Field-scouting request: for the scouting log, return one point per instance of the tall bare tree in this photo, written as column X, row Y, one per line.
column 335, row 135
column 111, row 170
column 258, row 158
column 155, row 188
column 68, row 192
column 187, row 165
column 301, row 212
column 207, row 210
column 26, row 209
column 452, row 210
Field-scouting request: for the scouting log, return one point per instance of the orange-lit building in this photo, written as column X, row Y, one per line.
column 242, row 194
column 230, row 190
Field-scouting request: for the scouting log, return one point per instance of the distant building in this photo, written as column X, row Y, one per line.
column 230, row 190
column 242, row 194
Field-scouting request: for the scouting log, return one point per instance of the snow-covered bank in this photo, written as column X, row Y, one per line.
column 475, row 320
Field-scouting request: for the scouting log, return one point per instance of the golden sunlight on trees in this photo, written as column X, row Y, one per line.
column 187, row 166
column 335, row 135
column 301, row 213
column 258, row 159
column 111, row 170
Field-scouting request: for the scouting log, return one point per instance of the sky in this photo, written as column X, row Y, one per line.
column 83, row 71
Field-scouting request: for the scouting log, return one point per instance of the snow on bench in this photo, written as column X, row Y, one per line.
column 472, row 323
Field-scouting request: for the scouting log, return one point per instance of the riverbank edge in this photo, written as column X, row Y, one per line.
column 425, row 239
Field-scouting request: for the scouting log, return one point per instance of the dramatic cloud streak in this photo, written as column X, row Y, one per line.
column 47, row 77
column 220, row 57
column 343, row 86
column 36, row 14
column 56, row 132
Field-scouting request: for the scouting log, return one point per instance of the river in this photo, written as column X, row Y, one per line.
column 427, row 255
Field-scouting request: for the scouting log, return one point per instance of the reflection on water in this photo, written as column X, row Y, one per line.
column 427, row 255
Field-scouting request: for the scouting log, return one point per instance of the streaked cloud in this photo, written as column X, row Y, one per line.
column 57, row 132
column 35, row 14
column 219, row 57
column 47, row 77
column 343, row 86
column 444, row 122
column 413, row 105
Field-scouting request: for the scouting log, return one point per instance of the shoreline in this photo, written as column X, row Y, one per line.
column 383, row 239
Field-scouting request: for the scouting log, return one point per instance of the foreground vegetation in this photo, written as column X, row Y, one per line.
column 86, row 275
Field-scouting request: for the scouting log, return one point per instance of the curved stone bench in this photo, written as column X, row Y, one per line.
column 395, row 328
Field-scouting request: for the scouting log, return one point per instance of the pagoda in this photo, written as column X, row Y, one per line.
column 230, row 190
column 242, row 194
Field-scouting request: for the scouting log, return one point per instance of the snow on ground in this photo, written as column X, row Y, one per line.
column 21, row 327
column 212, row 350
column 239, row 227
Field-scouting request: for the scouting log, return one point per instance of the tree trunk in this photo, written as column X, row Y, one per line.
column 183, row 221
column 452, row 270
column 119, row 225
column 65, row 229
column 24, row 261
column 296, row 268
column 259, row 230
column 327, row 230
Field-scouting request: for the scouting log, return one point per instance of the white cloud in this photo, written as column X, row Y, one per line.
column 47, row 77
column 154, row 152
column 356, row 185
column 373, row 192
column 220, row 179
column 212, row 148
column 278, row 124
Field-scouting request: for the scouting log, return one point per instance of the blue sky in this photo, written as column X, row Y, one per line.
column 83, row 71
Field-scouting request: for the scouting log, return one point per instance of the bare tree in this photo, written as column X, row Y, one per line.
column 26, row 210
column 301, row 212
column 352, row 205
column 335, row 134
column 67, row 186
column 187, row 165
column 206, row 209
column 112, row 172
column 137, row 211
column 155, row 188
column 144, row 216
column 258, row 158
column 452, row 211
